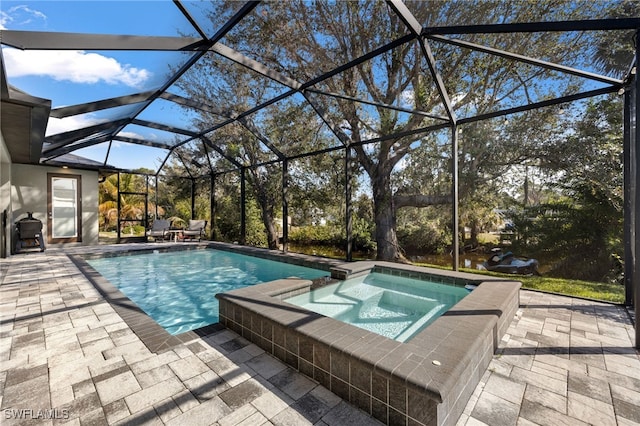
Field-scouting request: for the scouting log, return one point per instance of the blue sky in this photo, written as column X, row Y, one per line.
column 73, row 77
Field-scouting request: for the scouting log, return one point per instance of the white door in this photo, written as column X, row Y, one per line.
column 65, row 209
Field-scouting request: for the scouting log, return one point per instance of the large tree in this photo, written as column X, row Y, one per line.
column 302, row 40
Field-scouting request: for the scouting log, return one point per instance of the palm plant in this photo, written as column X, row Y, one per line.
column 132, row 206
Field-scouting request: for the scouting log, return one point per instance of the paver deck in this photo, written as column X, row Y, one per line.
column 67, row 357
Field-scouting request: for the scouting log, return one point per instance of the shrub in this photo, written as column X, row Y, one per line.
column 422, row 238
column 132, row 230
column 314, row 235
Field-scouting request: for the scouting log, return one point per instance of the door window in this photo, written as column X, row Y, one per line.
column 65, row 209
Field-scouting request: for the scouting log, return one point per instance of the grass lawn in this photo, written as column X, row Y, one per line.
column 586, row 289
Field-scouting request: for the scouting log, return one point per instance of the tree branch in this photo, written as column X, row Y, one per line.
column 420, row 200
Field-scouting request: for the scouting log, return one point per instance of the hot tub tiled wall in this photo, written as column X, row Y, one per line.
column 426, row 381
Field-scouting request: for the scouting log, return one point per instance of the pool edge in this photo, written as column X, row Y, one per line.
column 427, row 380
column 154, row 336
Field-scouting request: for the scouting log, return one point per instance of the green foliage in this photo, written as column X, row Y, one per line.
column 182, row 209
column 477, row 83
column 334, row 235
column 423, row 238
column 132, row 206
column 575, row 241
column 579, row 231
column 613, row 52
column 315, row 235
column 132, row 230
column 176, row 222
column 256, row 234
column 316, row 189
column 227, row 223
column 228, row 220
column 424, row 230
column 362, row 235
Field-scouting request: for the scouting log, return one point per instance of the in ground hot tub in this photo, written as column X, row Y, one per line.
column 392, row 306
column 426, row 380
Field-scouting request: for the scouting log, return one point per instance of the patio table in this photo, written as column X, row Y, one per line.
column 174, row 234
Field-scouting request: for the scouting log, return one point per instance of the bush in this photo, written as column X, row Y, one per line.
column 572, row 240
column 363, row 238
column 422, row 239
column 132, row 230
column 335, row 236
column 315, row 235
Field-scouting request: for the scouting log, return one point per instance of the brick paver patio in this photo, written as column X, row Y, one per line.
column 67, row 357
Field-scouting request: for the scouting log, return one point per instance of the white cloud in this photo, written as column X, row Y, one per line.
column 20, row 15
column 67, row 124
column 131, row 135
column 4, row 20
column 61, row 125
column 75, row 66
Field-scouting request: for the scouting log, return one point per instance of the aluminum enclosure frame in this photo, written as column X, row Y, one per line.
column 66, row 143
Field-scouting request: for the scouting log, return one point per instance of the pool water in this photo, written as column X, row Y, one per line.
column 177, row 289
column 395, row 307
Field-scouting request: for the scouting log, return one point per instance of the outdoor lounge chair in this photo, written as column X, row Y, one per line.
column 195, row 230
column 160, row 230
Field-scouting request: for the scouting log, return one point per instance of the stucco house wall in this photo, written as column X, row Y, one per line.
column 29, row 194
column 5, row 199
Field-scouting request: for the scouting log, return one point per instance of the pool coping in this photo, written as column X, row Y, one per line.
column 154, row 336
column 427, row 380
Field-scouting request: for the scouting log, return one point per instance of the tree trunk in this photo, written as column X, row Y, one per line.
column 385, row 205
column 266, row 210
column 270, row 229
column 385, row 217
column 474, row 233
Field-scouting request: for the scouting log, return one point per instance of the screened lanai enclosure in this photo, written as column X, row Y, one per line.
column 401, row 124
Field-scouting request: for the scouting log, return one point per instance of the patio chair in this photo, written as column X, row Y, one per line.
column 160, row 230
column 195, row 230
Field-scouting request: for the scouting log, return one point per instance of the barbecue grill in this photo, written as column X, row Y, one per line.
column 29, row 233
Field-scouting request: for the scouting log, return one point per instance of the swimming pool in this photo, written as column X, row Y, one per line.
column 177, row 289
column 392, row 306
